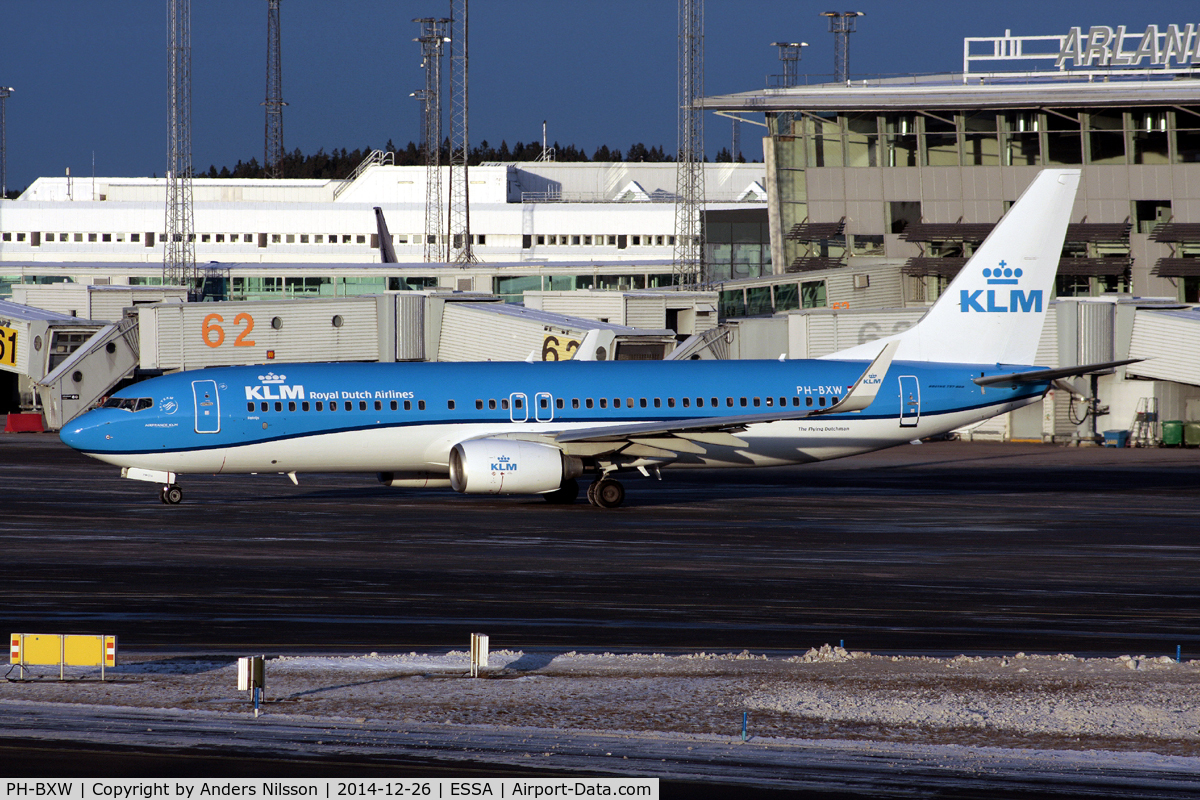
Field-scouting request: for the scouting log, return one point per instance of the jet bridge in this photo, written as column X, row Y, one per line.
column 107, row 358
column 33, row 343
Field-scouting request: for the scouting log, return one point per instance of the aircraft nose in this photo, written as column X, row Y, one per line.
column 84, row 433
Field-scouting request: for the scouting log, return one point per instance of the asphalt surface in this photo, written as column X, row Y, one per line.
column 941, row 548
column 936, row 549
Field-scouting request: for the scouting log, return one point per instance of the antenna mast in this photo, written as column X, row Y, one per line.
column 460, row 207
column 179, row 258
column 841, row 25
column 688, row 265
column 5, row 91
column 432, row 40
column 273, row 154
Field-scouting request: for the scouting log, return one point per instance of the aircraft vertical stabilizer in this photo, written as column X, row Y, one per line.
column 993, row 310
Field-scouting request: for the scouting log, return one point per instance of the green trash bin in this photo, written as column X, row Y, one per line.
column 1172, row 435
column 1191, row 434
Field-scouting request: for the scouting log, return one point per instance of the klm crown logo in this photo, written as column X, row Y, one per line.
column 271, row 377
column 994, row 301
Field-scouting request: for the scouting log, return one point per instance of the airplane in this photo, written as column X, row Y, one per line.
column 530, row 428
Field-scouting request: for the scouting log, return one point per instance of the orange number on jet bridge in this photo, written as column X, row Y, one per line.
column 210, row 326
column 241, row 340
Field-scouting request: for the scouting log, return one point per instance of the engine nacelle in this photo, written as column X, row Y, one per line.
column 509, row 466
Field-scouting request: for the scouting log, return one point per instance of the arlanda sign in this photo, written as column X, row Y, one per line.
column 1102, row 46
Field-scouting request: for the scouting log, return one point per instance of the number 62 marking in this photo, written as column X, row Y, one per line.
column 214, row 335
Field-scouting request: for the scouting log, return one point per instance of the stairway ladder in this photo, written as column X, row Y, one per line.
column 1144, row 431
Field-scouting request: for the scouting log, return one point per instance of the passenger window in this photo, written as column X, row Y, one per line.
column 699, row 402
column 808, row 401
column 574, row 402
column 304, row 406
column 821, row 400
column 796, row 400
column 616, row 402
column 504, row 403
column 756, row 403
column 770, row 401
column 378, row 405
column 658, row 402
column 743, row 402
column 715, row 402
column 320, row 406
column 492, row 404
column 629, row 402
column 395, row 405
column 687, row 402
column 835, row 399
column 408, row 405
column 643, row 402
column 670, row 402
column 249, row 406
column 604, row 402
column 559, row 402
column 264, row 406
column 420, row 405
column 292, row 405
column 589, row 402
column 544, row 402
column 362, row 405
column 478, row 405
column 729, row 402
column 278, row 406
column 450, row 404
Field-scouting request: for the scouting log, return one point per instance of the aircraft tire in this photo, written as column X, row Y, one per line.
column 172, row 495
column 609, row 493
column 565, row 494
column 591, row 492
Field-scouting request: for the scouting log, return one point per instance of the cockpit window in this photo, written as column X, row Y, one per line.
column 129, row 403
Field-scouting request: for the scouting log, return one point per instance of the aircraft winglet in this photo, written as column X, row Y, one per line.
column 863, row 392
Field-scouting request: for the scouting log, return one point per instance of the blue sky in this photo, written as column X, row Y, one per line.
column 90, row 77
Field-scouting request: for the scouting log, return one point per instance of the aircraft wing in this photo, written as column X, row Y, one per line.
column 689, row 435
column 1047, row 375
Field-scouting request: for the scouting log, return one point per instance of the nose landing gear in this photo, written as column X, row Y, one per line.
column 171, row 495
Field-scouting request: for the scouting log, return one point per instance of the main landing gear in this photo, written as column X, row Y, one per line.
column 171, row 495
column 606, row 493
column 602, row 493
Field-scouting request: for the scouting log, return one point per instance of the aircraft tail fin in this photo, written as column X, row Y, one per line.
column 993, row 310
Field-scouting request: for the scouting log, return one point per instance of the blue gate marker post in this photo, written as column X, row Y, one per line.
column 1178, row 654
column 745, row 716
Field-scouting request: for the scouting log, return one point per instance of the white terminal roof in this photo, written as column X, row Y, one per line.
column 1029, row 90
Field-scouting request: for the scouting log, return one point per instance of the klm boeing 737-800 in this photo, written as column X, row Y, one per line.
column 536, row 428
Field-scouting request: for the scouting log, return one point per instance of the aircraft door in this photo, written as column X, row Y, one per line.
column 208, row 406
column 543, row 407
column 910, row 401
column 518, row 407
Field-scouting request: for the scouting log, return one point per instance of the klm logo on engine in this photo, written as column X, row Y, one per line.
column 274, row 388
column 504, row 464
column 1002, row 301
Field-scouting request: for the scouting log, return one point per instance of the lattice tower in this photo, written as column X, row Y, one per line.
column 179, row 257
column 5, row 92
column 273, row 148
column 841, row 25
column 433, row 39
column 461, row 252
column 688, row 265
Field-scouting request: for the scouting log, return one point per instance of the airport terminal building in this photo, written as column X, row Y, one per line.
column 917, row 169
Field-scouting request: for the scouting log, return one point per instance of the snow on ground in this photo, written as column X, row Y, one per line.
column 1055, row 702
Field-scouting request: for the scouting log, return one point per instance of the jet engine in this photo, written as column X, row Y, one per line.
column 509, row 466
